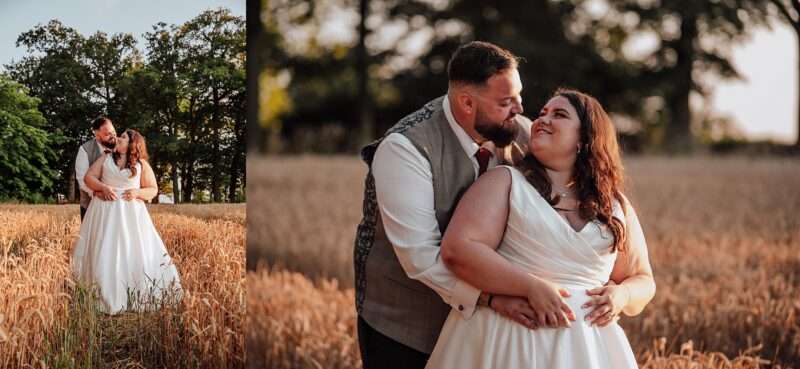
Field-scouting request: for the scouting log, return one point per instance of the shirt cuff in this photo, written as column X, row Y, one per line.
column 464, row 298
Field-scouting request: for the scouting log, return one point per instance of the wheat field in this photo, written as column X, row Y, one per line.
column 48, row 321
column 723, row 236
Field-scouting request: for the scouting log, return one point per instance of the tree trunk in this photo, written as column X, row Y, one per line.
column 176, row 188
column 255, row 134
column 173, row 158
column 365, row 131
column 156, row 166
column 236, row 159
column 72, row 187
column 678, row 135
column 188, row 188
column 216, row 172
column 189, row 158
column 234, row 175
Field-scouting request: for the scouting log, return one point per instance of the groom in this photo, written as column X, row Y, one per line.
column 105, row 137
column 417, row 173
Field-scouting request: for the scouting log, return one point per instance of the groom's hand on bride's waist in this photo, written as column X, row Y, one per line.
column 517, row 309
column 109, row 194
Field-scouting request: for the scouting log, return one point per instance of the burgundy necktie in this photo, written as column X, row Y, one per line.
column 483, row 155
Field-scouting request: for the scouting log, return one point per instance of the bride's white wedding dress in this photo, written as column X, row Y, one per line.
column 119, row 250
column 539, row 240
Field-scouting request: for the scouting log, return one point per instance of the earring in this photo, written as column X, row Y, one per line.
column 579, row 149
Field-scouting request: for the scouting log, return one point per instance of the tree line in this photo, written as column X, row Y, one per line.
column 334, row 96
column 184, row 91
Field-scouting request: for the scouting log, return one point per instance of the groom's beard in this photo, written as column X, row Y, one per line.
column 110, row 144
column 501, row 134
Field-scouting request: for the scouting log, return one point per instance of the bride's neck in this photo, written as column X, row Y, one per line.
column 559, row 178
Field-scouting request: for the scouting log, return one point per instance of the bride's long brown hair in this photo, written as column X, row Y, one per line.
column 137, row 150
column 598, row 174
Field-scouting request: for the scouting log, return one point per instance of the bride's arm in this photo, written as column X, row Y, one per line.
column 469, row 250
column 149, row 186
column 92, row 180
column 632, row 269
column 632, row 274
column 92, row 177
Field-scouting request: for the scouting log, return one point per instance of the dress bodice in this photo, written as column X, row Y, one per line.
column 543, row 242
column 120, row 179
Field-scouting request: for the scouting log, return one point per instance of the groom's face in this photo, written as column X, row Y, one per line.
column 106, row 135
column 498, row 103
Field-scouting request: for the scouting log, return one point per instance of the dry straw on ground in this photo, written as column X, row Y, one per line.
column 723, row 236
column 46, row 320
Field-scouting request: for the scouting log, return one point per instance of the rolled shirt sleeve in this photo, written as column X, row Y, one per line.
column 404, row 189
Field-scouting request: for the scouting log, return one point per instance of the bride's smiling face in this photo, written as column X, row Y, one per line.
column 122, row 143
column 555, row 134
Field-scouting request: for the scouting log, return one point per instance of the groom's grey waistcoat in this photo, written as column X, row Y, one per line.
column 399, row 307
column 404, row 309
column 93, row 151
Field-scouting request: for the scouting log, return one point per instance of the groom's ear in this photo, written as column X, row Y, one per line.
column 465, row 102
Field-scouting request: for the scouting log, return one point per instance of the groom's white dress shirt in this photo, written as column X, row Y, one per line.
column 82, row 165
column 404, row 189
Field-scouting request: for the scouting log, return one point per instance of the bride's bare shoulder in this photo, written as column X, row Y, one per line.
column 494, row 180
column 100, row 159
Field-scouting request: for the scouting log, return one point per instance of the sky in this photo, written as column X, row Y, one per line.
column 763, row 105
column 89, row 16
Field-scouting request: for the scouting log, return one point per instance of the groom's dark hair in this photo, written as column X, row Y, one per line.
column 99, row 122
column 475, row 62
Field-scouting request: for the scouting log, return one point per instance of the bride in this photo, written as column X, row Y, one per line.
column 553, row 231
column 118, row 248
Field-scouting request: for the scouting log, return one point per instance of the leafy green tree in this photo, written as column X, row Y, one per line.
column 186, row 95
column 214, row 69
column 110, row 62
column 26, row 152
column 236, row 152
column 160, row 88
column 53, row 73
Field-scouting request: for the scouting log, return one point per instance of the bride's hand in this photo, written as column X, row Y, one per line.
column 547, row 300
column 130, row 195
column 109, row 193
column 608, row 302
